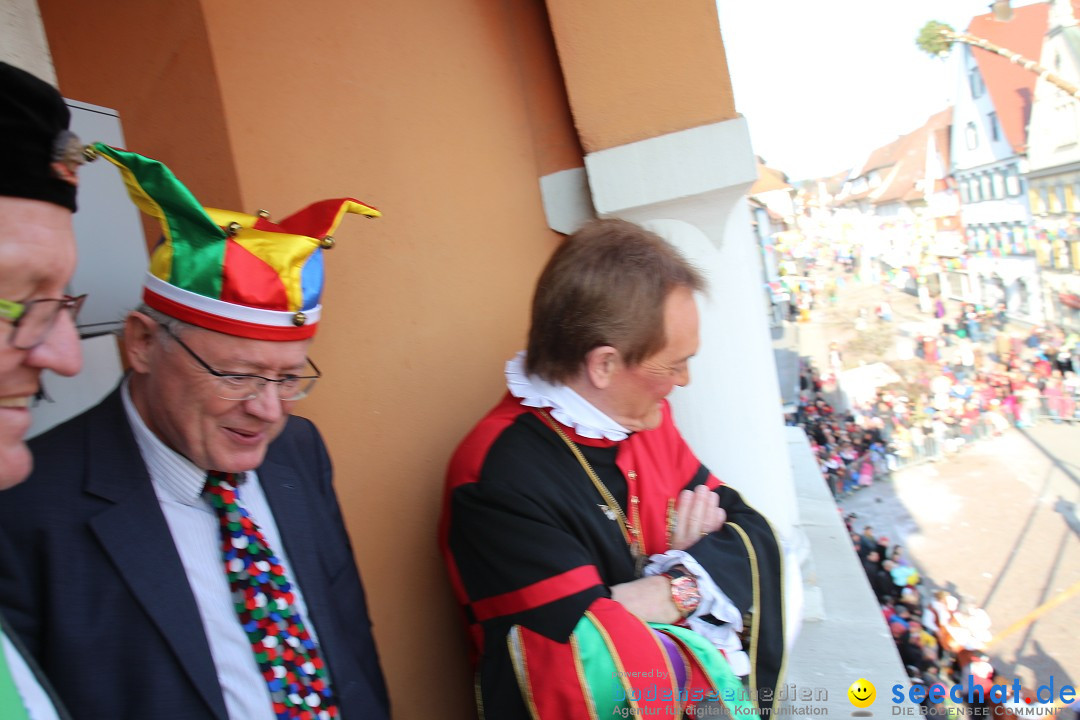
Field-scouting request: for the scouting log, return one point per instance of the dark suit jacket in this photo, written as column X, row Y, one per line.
column 91, row 580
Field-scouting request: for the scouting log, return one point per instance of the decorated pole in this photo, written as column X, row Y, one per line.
column 937, row 38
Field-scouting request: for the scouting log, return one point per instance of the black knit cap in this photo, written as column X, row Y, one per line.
column 40, row 154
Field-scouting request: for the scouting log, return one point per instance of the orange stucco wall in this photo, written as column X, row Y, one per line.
column 637, row 69
column 108, row 55
column 443, row 118
column 554, row 137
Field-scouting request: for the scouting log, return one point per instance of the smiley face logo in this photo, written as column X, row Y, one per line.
column 862, row 693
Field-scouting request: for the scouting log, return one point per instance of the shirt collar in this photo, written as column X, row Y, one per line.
column 173, row 475
column 567, row 406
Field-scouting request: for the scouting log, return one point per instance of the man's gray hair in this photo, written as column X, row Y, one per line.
column 168, row 322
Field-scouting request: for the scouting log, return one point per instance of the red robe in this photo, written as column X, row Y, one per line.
column 532, row 551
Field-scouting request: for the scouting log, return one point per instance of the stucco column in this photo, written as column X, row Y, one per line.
column 22, row 39
column 689, row 187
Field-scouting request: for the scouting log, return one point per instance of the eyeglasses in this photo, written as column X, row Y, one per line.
column 233, row 386
column 33, row 320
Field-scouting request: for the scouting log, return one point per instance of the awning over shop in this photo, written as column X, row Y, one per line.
column 860, row 384
column 947, row 243
column 1070, row 300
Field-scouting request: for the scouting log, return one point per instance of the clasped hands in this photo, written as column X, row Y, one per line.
column 697, row 514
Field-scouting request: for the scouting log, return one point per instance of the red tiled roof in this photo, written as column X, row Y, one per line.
column 1011, row 87
column 768, row 179
column 910, row 164
column 908, row 167
column 834, row 183
column 942, row 137
column 882, row 157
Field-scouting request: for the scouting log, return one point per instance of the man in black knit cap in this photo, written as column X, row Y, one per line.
column 37, row 318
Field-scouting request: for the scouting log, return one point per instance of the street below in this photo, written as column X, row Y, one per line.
column 997, row 522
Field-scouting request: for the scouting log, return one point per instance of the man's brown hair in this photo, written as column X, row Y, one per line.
column 605, row 285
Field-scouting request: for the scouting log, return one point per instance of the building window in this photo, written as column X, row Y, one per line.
column 1055, row 205
column 984, row 187
column 1012, row 182
column 971, row 134
column 976, row 82
column 965, row 197
column 1035, row 202
column 998, row 181
column 1018, row 235
column 992, row 121
column 973, row 190
column 1064, row 121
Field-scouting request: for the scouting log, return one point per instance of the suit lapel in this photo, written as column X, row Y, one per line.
column 295, row 519
column 290, row 494
column 136, row 537
column 293, row 498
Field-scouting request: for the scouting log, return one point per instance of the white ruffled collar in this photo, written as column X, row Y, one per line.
column 566, row 405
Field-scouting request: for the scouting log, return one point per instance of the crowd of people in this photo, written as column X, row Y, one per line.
column 1030, row 373
column 851, row 450
column 941, row 639
column 978, row 378
column 964, row 390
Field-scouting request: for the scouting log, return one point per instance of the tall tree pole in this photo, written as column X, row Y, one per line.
column 937, row 39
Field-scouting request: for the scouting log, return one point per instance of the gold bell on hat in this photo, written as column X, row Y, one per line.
column 299, row 319
column 327, row 242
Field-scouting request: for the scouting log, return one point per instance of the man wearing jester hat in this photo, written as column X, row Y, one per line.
column 182, row 553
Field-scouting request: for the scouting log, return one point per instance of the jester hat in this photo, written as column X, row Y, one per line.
column 226, row 271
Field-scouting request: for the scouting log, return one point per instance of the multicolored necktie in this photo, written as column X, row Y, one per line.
column 287, row 656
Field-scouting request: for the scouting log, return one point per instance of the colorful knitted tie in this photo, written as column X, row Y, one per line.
column 286, row 654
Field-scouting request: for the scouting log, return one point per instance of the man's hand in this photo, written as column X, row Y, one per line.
column 698, row 513
column 649, row 598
